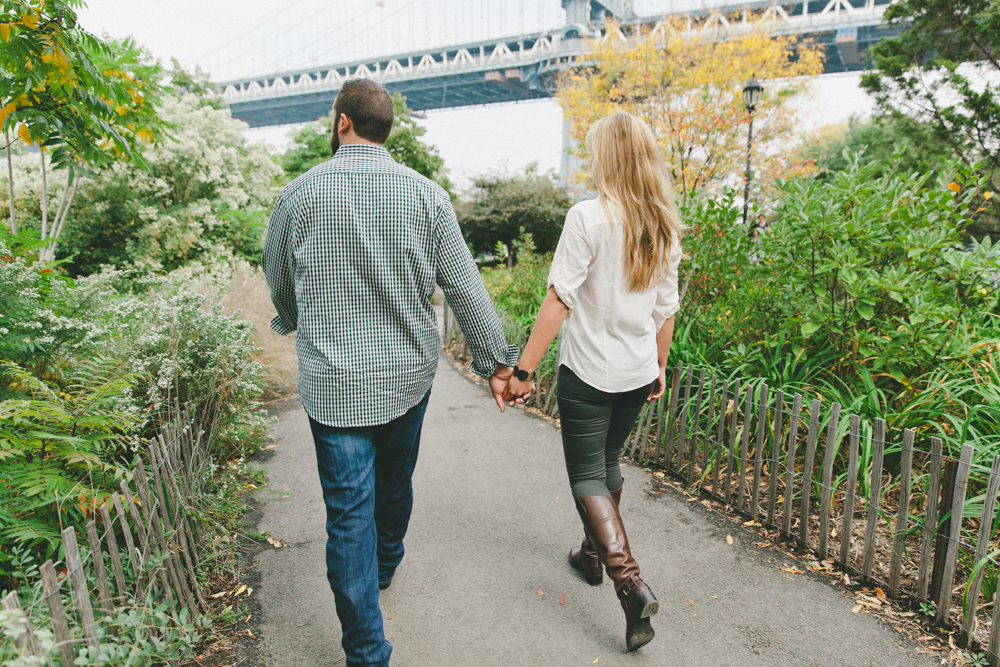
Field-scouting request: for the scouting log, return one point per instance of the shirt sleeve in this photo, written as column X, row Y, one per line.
column 571, row 261
column 667, row 297
column 463, row 287
column 276, row 262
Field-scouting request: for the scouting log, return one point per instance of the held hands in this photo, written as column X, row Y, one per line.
column 508, row 389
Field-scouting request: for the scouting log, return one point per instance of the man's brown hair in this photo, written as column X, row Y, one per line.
column 369, row 107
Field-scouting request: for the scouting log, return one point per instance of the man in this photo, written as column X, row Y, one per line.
column 353, row 251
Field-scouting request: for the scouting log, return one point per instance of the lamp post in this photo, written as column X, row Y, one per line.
column 752, row 92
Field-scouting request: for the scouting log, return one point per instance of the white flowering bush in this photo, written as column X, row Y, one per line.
column 205, row 191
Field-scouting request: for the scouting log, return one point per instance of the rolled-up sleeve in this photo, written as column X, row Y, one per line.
column 276, row 262
column 571, row 261
column 463, row 287
column 667, row 297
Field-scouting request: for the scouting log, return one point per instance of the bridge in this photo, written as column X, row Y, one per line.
column 524, row 67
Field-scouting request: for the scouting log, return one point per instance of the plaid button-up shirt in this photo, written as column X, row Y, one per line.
column 353, row 251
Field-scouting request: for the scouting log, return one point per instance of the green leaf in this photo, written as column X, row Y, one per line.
column 865, row 311
column 809, row 328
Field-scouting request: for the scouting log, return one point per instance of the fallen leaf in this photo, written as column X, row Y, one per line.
column 249, row 634
column 880, row 594
column 249, row 486
column 562, row 598
column 857, row 608
column 264, row 449
column 540, row 592
column 714, row 598
column 750, row 523
column 278, row 544
column 218, row 595
column 249, row 591
column 691, row 500
column 925, row 638
column 239, row 590
column 595, row 660
column 762, row 544
column 833, row 533
column 690, row 602
column 792, row 570
column 729, row 540
column 558, row 497
column 393, row 616
column 270, row 540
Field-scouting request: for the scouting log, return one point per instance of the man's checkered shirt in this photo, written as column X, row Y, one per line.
column 353, row 251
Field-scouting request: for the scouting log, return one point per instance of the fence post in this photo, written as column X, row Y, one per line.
column 668, row 444
column 116, row 564
column 97, row 556
column 25, row 642
column 773, row 469
column 50, row 585
column 682, row 429
column 943, row 527
column 930, row 518
column 829, row 454
column 78, row 580
column 706, row 436
column 849, row 492
column 659, row 429
column 720, row 439
column 903, row 515
column 758, row 455
column 696, row 434
column 732, row 442
column 957, row 509
column 874, row 498
column 744, row 446
column 793, row 440
column 807, row 472
column 982, row 547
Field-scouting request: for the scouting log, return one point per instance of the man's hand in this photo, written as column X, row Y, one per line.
column 498, row 384
column 659, row 386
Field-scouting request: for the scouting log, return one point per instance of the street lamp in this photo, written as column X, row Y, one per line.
column 752, row 92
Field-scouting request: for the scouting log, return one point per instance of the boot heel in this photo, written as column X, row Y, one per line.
column 594, row 579
column 646, row 604
column 642, row 634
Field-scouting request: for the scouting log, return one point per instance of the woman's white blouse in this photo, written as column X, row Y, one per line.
column 609, row 337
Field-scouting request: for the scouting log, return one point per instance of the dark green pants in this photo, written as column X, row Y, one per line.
column 595, row 425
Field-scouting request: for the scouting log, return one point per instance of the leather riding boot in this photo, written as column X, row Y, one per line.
column 585, row 557
column 607, row 533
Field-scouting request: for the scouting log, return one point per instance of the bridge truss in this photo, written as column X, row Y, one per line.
column 523, row 68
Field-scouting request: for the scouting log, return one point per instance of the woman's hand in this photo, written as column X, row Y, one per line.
column 517, row 390
column 659, row 386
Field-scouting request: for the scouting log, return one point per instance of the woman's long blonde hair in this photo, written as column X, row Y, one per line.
column 631, row 177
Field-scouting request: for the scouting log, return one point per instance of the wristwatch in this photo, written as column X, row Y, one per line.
column 523, row 375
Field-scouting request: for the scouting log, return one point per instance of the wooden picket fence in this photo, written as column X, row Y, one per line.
column 150, row 517
column 904, row 531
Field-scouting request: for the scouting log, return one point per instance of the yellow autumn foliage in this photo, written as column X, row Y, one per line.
column 688, row 86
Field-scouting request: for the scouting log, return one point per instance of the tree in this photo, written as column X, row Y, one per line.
column 897, row 144
column 311, row 146
column 87, row 102
column 942, row 71
column 687, row 85
column 503, row 207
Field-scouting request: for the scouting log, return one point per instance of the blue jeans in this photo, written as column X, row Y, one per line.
column 366, row 478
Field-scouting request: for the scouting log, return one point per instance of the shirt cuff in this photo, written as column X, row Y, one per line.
column 568, row 297
column 513, row 353
column 660, row 318
column 279, row 326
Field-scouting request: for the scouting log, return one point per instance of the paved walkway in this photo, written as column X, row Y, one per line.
column 492, row 523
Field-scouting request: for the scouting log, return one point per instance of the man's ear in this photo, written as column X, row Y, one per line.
column 343, row 124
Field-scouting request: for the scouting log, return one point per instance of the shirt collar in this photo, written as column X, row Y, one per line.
column 369, row 151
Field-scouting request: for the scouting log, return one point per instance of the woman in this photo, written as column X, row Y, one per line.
column 614, row 281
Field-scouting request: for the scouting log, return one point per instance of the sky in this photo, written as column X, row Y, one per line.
column 235, row 38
